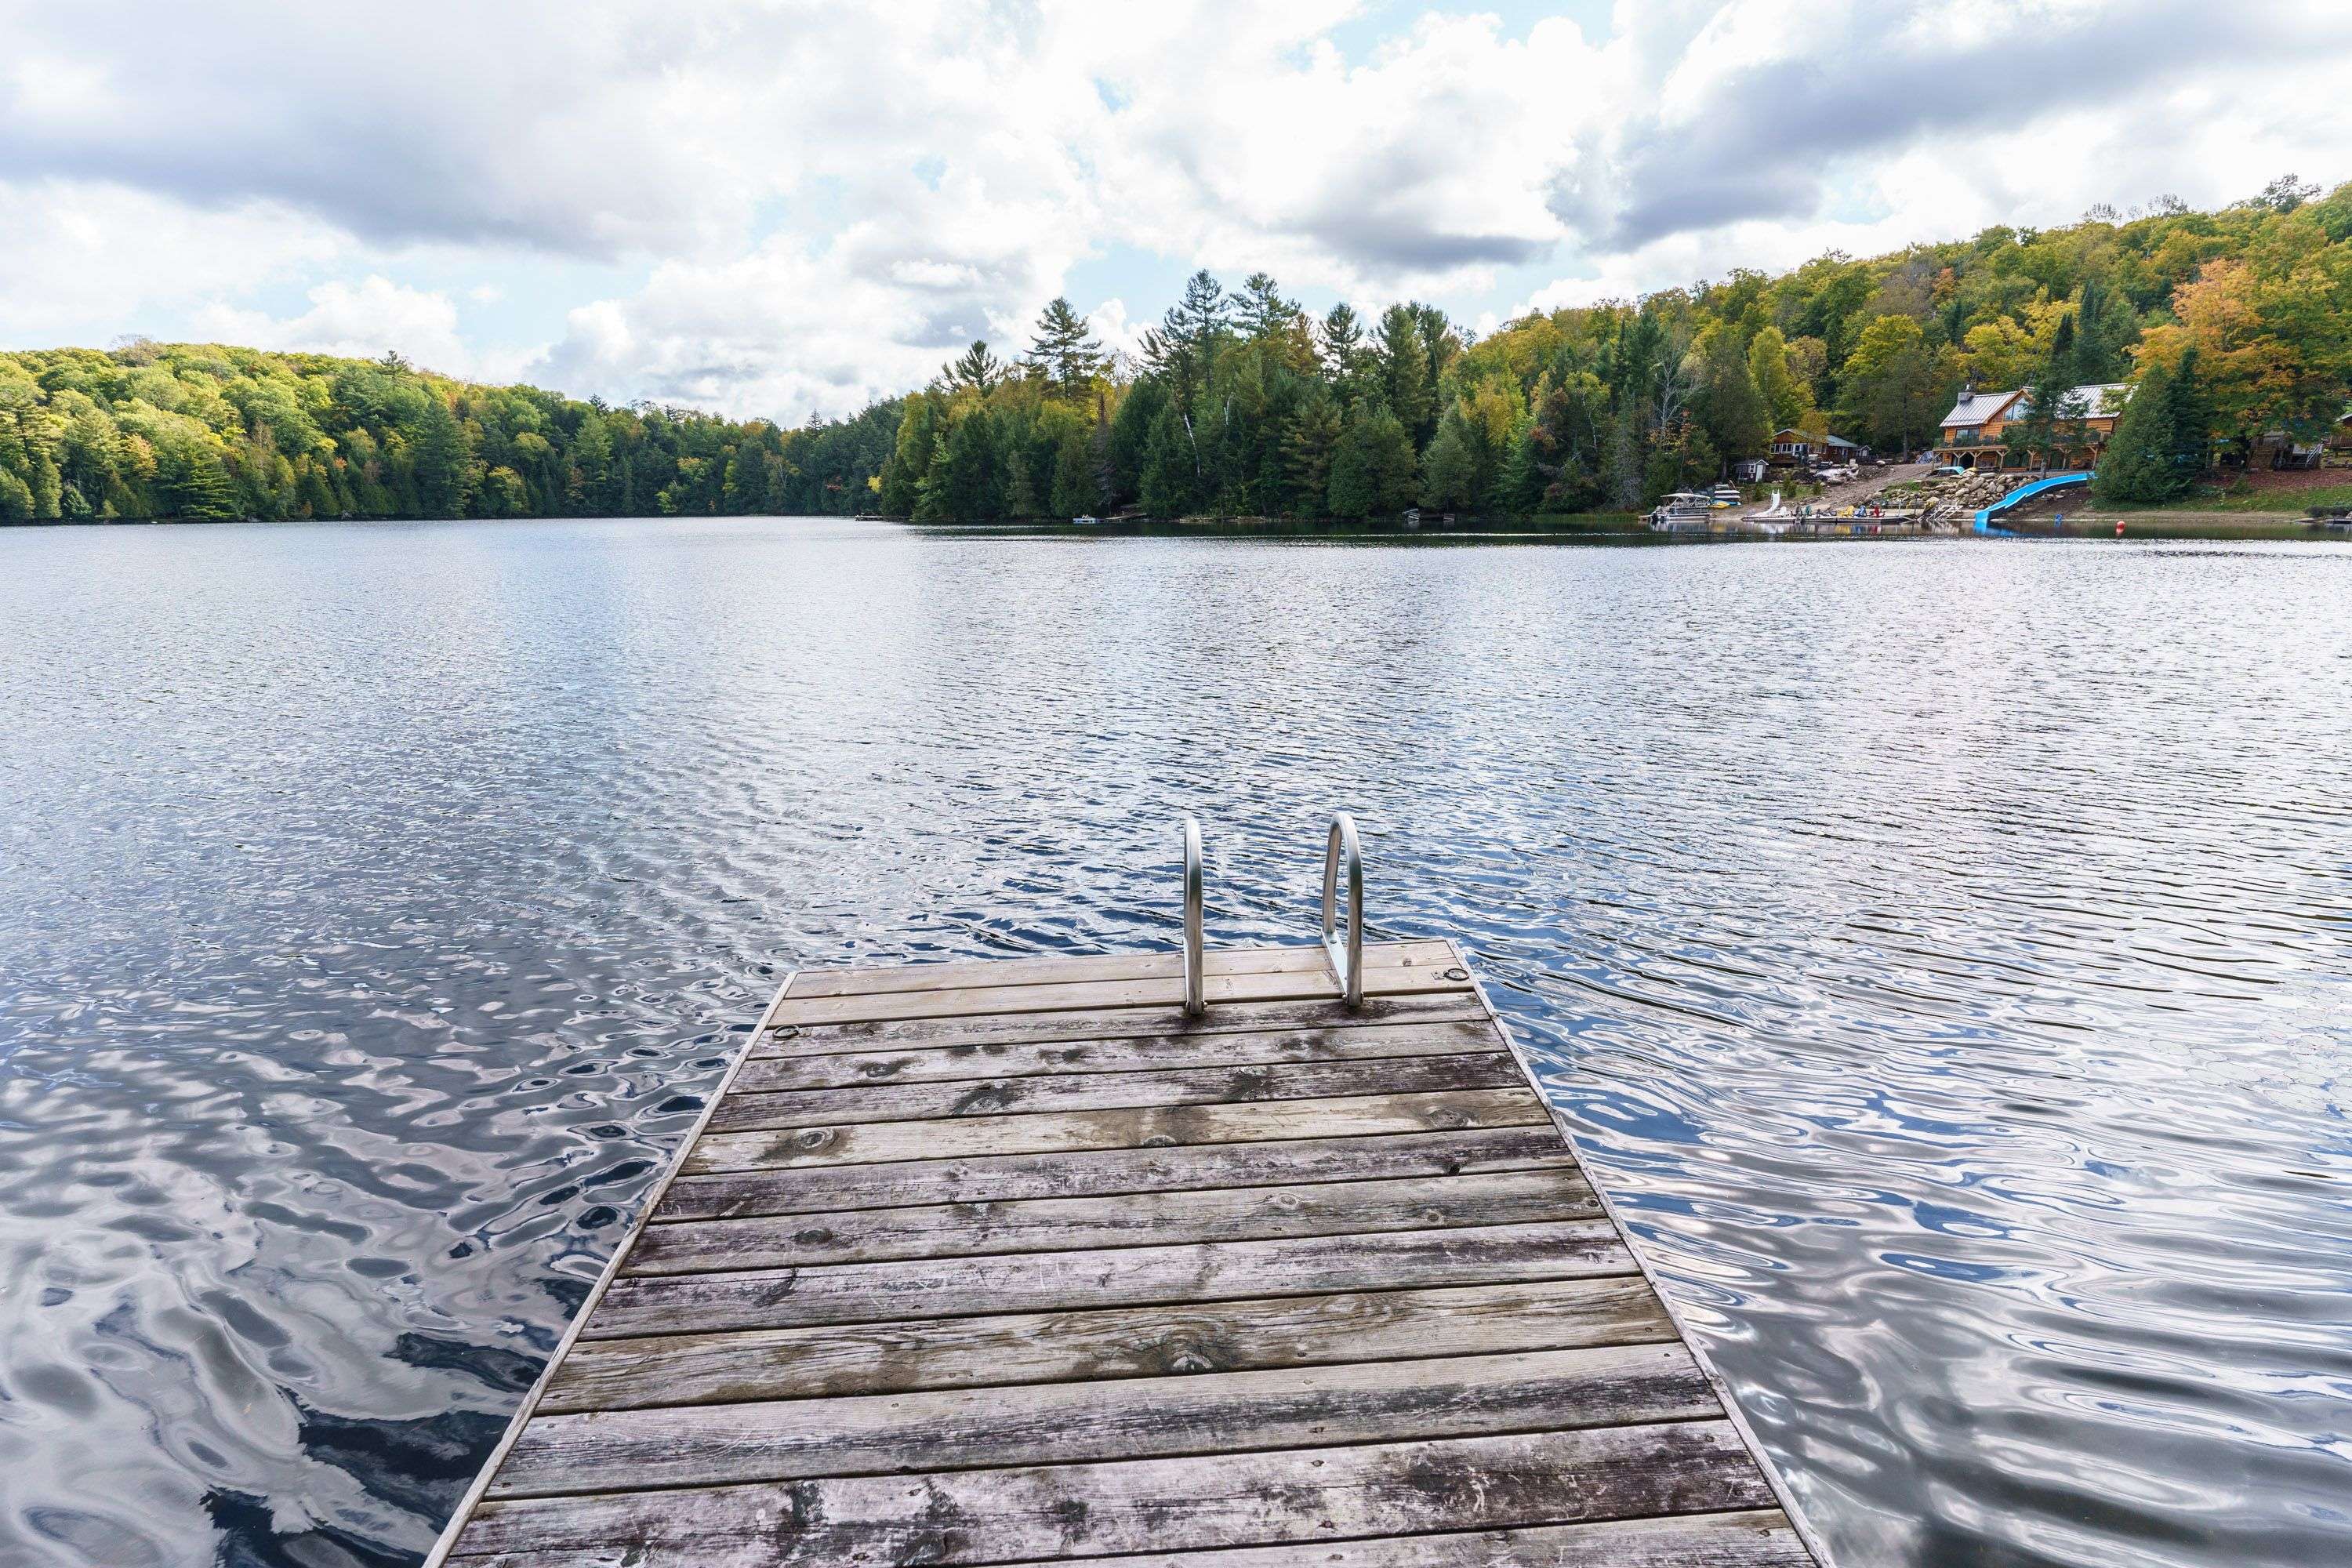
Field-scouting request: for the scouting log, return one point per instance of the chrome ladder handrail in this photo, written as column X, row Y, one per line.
column 1195, row 977
column 1347, row 963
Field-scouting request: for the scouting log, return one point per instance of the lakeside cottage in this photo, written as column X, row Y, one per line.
column 1972, row 438
column 1812, row 447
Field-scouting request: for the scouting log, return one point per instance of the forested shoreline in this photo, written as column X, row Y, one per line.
column 1239, row 404
column 203, row 432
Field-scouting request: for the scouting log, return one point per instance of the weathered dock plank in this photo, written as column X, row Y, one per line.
column 1015, row 1263
column 1157, row 1168
column 849, row 1143
column 1114, row 1054
column 1108, row 1342
column 1184, row 1504
column 1069, row 1423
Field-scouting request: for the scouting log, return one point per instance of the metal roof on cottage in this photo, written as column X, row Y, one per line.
column 2085, row 402
column 1974, row 408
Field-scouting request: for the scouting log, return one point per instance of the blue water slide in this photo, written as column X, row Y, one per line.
column 2026, row 492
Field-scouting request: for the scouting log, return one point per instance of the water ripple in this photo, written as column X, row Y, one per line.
column 1941, row 950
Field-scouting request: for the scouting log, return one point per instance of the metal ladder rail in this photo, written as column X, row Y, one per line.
column 1195, row 979
column 1347, row 961
column 1345, row 955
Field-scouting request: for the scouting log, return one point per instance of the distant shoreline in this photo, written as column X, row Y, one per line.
column 1623, row 528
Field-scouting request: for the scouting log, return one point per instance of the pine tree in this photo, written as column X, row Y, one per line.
column 1518, row 487
column 1306, row 454
column 1264, row 314
column 1204, row 314
column 1737, row 420
column 1063, row 348
column 2139, row 462
column 975, row 368
column 1075, row 490
column 1620, row 477
column 1351, row 492
column 196, row 486
column 1389, row 448
column 2052, row 422
column 1170, row 483
column 1405, row 377
column 1020, row 493
column 2191, row 421
column 1449, row 477
column 1341, row 339
column 442, row 461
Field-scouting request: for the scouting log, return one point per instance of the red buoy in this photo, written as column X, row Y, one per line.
column 2119, row 528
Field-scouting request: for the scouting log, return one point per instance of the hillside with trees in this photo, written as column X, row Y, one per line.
column 2235, row 324
column 1241, row 405
column 204, row 432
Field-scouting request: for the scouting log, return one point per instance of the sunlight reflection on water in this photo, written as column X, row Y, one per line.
column 1942, row 948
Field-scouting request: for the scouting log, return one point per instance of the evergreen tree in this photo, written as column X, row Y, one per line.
column 441, row 462
column 1203, row 316
column 1264, row 312
column 1449, row 472
column 1518, row 487
column 1306, row 454
column 2138, row 465
column 1351, row 492
column 1020, row 493
column 1405, row 380
column 1170, row 485
column 1075, row 490
column 1389, row 446
column 962, row 484
column 1621, row 478
column 1183, row 347
column 1340, row 340
column 1064, row 349
column 1737, row 419
column 2102, row 331
column 196, row 488
column 976, row 369
column 1372, row 469
column 2049, row 425
column 2192, row 417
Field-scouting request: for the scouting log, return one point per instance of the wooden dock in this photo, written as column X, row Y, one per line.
column 1016, row 1262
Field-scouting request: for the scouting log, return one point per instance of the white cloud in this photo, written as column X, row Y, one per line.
column 823, row 202
column 89, row 261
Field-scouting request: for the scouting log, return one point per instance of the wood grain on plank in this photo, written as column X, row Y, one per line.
column 1128, row 1219
column 1752, row 1538
column 1132, row 1276
column 1066, row 1131
column 1182, row 1504
column 1072, row 1423
column 1108, row 1342
column 1002, row 1177
column 1147, row 1053
column 1218, row 989
column 743, row 1112
column 1065, row 968
column 1096, row 1023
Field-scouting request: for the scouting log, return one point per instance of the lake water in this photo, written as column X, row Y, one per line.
column 1942, row 949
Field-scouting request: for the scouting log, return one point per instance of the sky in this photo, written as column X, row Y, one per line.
column 785, row 209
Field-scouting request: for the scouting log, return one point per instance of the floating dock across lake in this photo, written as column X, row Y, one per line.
column 1179, row 1260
